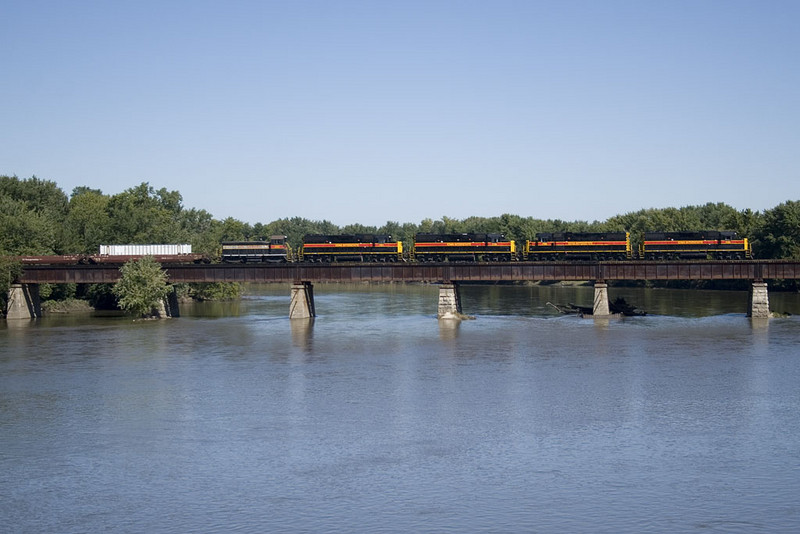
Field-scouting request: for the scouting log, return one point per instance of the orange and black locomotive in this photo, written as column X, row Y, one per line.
column 463, row 247
column 354, row 247
column 579, row 246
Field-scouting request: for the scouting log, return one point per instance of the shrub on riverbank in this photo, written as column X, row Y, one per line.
column 70, row 305
column 142, row 288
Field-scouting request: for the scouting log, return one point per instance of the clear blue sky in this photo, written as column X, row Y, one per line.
column 368, row 111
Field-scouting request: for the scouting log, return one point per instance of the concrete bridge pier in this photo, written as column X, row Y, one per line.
column 173, row 308
column 169, row 306
column 302, row 302
column 449, row 302
column 600, row 307
column 759, row 301
column 23, row 302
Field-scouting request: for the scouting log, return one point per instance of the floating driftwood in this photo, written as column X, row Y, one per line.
column 571, row 309
column 619, row 306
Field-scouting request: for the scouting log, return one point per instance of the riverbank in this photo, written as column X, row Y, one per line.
column 66, row 306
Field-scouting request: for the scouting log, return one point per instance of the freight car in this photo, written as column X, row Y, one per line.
column 105, row 259
column 159, row 258
column 52, row 259
column 463, row 247
column 274, row 251
column 578, row 246
column 324, row 248
column 145, row 250
column 724, row 245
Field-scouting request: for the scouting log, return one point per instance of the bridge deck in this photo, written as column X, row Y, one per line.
column 437, row 272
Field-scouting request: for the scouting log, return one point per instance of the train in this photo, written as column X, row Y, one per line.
column 120, row 254
column 431, row 247
column 489, row 247
column 579, row 246
column 276, row 250
column 719, row 245
column 321, row 248
column 463, row 247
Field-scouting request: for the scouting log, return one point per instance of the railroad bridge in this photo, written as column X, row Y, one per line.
column 23, row 296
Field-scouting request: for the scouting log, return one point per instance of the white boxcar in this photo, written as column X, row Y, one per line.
column 144, row 250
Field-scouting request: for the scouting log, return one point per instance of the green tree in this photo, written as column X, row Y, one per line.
column 234, row 230
column 32, row 214
column 200, row 226
column 359, row 229
column 142, row 287
column 42, row 196
column 10, row 270
column 25, row 231
column 215, row 291
column 296, row 227
column 779, row 233
column 143, row 215
column 99, row 296
column 88, row 221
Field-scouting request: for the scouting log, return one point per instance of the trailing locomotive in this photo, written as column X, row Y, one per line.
column 724, row 245
column 350, row 247
column 274, row 251
column 463, row 247
column 579, row 246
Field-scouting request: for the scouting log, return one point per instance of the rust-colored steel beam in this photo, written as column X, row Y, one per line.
column 434, row 272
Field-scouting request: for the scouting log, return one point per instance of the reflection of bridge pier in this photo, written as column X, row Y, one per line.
column 302, row 331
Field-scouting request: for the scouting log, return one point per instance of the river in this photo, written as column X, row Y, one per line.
column 376, row 417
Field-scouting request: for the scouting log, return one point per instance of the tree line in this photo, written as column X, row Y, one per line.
column 37, row 218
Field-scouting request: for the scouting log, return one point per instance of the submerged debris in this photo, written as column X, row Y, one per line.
column 619, row 307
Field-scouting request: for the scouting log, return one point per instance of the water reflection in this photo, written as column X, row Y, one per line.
column 227, row 308
column 385, row 419
column 477, row 300
column 760, row 326
column 533, row 300
column 302, row 330
column 601, row 322
column 448, row 328
column 20, row 324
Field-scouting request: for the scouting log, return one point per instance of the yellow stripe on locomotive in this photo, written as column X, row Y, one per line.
column 463, row 247
column 274, row 251
column 350, row 247
column 579, row 246
column 719, row 245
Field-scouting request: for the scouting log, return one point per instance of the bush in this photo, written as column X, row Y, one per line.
column 216, row 291
column 142, row 287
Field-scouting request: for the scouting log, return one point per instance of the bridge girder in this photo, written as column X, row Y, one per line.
column 439, row 272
